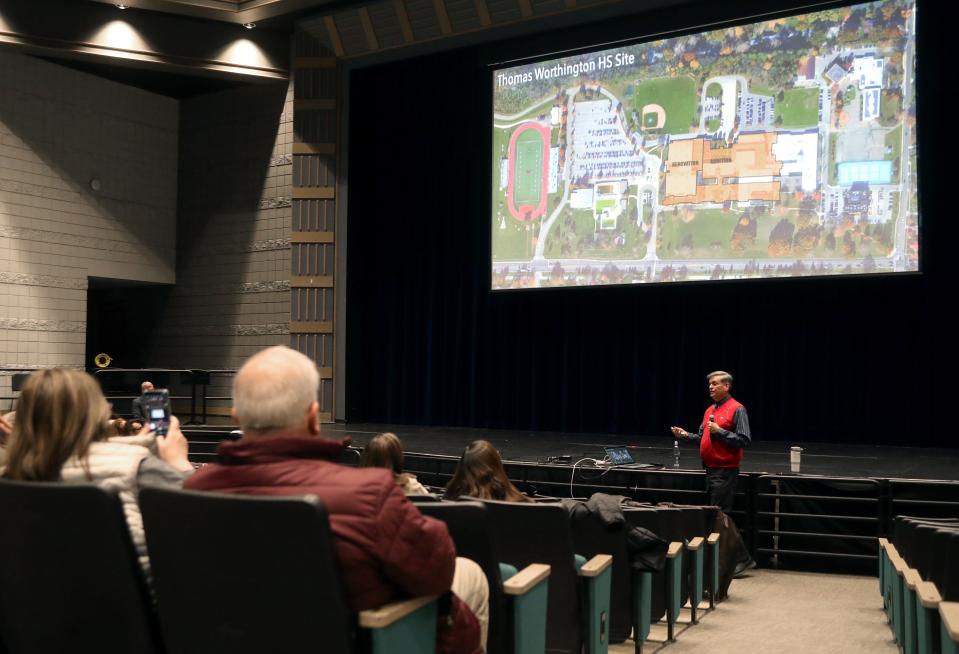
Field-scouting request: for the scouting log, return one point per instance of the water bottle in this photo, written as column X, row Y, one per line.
column 676, row 454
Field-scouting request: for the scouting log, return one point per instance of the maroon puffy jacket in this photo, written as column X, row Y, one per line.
column 385, row 546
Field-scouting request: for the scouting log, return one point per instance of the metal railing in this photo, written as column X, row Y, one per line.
column 836, row 518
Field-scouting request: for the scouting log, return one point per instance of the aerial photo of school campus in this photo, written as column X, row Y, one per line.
column 780, row 148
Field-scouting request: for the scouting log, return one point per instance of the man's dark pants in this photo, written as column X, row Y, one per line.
column 721, row 492
column 721, row 487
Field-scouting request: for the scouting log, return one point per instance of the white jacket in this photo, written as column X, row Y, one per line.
column 114, row 464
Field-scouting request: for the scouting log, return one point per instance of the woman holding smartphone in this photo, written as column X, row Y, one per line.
column 63, row 433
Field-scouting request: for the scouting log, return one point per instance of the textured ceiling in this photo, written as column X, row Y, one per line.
column 276, row 12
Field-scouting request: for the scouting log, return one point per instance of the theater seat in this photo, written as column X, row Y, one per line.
column 237, row 574
column 631, row 600
column 578, row 612
column 517, row 599
column 667, row 586
column 69, row 577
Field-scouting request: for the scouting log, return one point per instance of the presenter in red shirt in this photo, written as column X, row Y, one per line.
column 722, row 436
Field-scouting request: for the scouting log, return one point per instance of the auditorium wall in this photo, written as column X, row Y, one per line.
column 234, row 210
column 59, row 130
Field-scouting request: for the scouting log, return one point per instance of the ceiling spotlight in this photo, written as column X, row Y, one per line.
column 249, row 26
column 120, row 5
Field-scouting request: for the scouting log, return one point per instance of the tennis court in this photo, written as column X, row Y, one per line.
column 873, row 172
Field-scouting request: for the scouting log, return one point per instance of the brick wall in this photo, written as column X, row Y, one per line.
column 59, row 128
column 232, row 296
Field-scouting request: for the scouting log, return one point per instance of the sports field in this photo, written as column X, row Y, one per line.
column 799, row 108
column 676, row 95
column 528, row 180
column 526, row 192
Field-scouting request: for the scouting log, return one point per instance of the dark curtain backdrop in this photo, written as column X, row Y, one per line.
column 855, row 359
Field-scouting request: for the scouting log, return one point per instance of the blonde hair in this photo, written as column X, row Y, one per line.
column 60, row 412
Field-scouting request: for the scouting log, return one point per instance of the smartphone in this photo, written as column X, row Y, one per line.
column 156, row 404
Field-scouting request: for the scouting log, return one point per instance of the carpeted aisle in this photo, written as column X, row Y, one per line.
column 779, row 612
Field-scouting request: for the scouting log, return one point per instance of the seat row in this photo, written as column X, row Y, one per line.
column 241, row 574
column 623, row 599
column 231, row 574
column 919, row 582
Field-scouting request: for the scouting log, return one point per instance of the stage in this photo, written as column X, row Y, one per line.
column 832, row 460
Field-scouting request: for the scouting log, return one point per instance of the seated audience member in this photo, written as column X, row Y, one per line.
column 139, row 410
column 386, row 451
column 480, row 474
column 118, row 427
column 386, row 548
column 63, row 433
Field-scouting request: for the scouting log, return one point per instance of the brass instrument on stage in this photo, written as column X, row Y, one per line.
column 102, row 360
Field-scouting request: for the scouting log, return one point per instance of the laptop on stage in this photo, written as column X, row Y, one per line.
column 619, row 457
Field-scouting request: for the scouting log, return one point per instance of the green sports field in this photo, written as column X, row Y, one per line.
column 676, row 95
column 528, row 173
column 799, row 108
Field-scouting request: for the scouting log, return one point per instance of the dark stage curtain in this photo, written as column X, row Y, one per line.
column 854, row 359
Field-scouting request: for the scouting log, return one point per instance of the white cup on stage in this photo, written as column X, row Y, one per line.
column 795, row 455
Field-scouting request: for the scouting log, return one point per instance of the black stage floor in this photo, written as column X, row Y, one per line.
column 834, row 460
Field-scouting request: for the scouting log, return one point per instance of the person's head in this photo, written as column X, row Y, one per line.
column 60, row 413
column 275, row 390
column 719, row 383
column 146, row 386
column 383, row 451
column 480, row 474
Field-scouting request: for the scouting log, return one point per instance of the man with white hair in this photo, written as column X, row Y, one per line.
column 385, row 546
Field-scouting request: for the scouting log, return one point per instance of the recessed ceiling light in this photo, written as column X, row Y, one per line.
column 120, row 5
column 249, row 26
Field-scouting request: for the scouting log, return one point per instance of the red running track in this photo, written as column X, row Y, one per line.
column 519, row 213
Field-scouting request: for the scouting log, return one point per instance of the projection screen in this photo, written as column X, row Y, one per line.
column 779, row 148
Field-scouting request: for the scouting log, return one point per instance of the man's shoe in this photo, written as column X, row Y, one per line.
column 743, row 567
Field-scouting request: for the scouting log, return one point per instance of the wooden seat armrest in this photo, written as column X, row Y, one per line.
column 928, row 594
column 695, row 544
column 883, row 543
column 526, row 579
column 949, row 612
column 897, row 562
column 387, row 614
column 912, row 578
column 674, row 549
column 595, row 566
column 713, row 538
column 891, row 550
